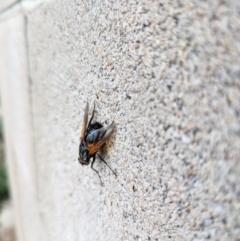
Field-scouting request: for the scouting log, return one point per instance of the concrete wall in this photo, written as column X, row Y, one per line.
column 167, row 73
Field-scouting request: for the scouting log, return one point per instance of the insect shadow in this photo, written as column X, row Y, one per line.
column 93, row 137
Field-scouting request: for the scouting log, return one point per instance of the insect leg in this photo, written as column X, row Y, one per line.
column 107, row 164
column 89, row 123
column 94, row 157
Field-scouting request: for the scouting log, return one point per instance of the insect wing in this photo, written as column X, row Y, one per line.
column 96, row 139
column 84, row 124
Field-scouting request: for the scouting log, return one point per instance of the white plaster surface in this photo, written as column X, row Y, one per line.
column 167, row 73
column 15, row 96
column 6, row 4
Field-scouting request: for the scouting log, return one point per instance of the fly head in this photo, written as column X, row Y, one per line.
column 83, row 154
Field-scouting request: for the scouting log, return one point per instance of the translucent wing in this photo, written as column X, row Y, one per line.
column 95, row 140
column 84, row 124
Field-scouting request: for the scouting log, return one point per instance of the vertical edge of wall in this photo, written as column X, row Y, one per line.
column 16, row 108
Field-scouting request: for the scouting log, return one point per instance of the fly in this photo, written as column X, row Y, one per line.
column 93, row 136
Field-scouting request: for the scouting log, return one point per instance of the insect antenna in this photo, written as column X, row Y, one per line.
column 107, row 165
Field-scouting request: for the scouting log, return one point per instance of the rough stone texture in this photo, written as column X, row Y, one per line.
column 167, row 73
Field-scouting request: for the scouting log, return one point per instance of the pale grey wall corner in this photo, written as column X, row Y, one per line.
column 167, row 72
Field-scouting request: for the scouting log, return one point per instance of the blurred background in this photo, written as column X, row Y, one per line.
column 7, row 230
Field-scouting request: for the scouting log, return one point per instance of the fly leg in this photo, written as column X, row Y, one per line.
column 94, row 157
column 107, row 165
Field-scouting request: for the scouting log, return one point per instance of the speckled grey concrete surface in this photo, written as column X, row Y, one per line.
column 167, row 73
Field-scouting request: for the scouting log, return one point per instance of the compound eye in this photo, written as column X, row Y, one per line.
column 85, row 156
column 80, row 160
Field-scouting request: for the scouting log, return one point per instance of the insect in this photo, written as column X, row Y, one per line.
column 92, row 138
